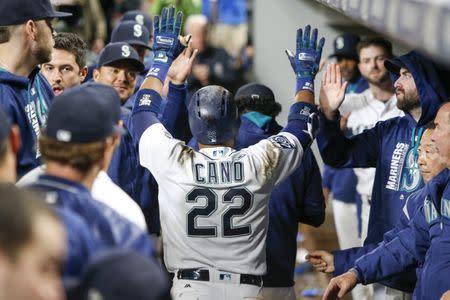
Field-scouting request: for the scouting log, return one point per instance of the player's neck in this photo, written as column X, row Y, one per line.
column 16, row 61
column 67, row 172
column 383, row 91
column 229, row 143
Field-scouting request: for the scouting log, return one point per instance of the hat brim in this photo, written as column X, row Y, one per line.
column 59, row 14
column 394, row 65
column 138, row 43
column 137, row 64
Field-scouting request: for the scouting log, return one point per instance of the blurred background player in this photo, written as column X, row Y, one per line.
column 87, row 20
column 120, row 275
column 9, row 147
column 32, row 247
column 228, row 24
column 213, row 65
column 26, row 40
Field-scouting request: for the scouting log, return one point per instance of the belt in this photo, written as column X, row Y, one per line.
column 203, row 275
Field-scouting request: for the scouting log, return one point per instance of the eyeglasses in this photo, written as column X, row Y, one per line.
column 115, row 71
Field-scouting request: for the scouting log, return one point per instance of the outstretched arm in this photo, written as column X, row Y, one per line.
column 303, row 116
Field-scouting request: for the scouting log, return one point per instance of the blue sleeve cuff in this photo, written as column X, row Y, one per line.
column 147, row 100
column 145, row 111
column 303, row 122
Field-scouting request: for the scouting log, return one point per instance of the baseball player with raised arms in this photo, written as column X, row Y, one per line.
column 214, row 212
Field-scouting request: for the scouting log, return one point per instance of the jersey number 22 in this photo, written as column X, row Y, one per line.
column 228, row 230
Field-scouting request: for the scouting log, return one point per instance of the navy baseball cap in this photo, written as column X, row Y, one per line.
column 256, row 91
column 258, row 97
column 84, row 114
column 140, row 18
column 394, row 65
column 5, row 126
column 132, row 33
column 345, row 46
column 115, row 52
column 120, row 275
column 13, row 12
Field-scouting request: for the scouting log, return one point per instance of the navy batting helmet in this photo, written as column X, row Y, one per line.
column 213, row 115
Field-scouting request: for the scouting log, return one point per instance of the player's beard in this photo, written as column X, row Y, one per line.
column 378, row 81
column 42, row 53
column 406, row 102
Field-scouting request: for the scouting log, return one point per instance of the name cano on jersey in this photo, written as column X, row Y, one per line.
column 216, row 172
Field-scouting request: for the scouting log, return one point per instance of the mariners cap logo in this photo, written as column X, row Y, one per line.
column 139, row 19
column 63, row 135
column 126, row 51
column 137, row 30
column 340, row 42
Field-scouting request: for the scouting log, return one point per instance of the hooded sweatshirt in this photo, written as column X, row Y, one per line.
column 26, row 102
column 425, row 241
column 390, row 147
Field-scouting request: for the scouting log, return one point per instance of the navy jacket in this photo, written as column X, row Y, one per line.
column 81, row 244
column 297, row 199
column 424, row 241
column 26, row 102
column 390, row 147
column 108, row 229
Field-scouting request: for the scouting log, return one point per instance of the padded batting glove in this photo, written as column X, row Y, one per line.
column 167, row 45
column 307, row 57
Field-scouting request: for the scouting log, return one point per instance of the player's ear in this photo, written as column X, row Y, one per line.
column 83, row 73
column 96, row 74
column 31, row 29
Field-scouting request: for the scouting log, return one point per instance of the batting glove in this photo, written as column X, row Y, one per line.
column 166, row 46
column 306, row 61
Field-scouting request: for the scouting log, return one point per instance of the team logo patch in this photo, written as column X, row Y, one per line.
column 146, row 100
column 282, row 141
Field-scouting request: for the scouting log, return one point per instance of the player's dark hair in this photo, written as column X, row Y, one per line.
column 74, row 44
column 263, row 105
column 5, row 34
column 81, row 157
column 375, row 41
column 18, row 212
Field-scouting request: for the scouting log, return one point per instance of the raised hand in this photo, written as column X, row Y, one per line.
column 307, row 57
column 339, row 286
column 322, row 261
column 167, row 45
column 182, row 65
column 332, row 91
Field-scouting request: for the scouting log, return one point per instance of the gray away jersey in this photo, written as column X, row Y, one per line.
column 214, row 203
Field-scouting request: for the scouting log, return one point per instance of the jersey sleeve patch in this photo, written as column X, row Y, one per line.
column 282, row 142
